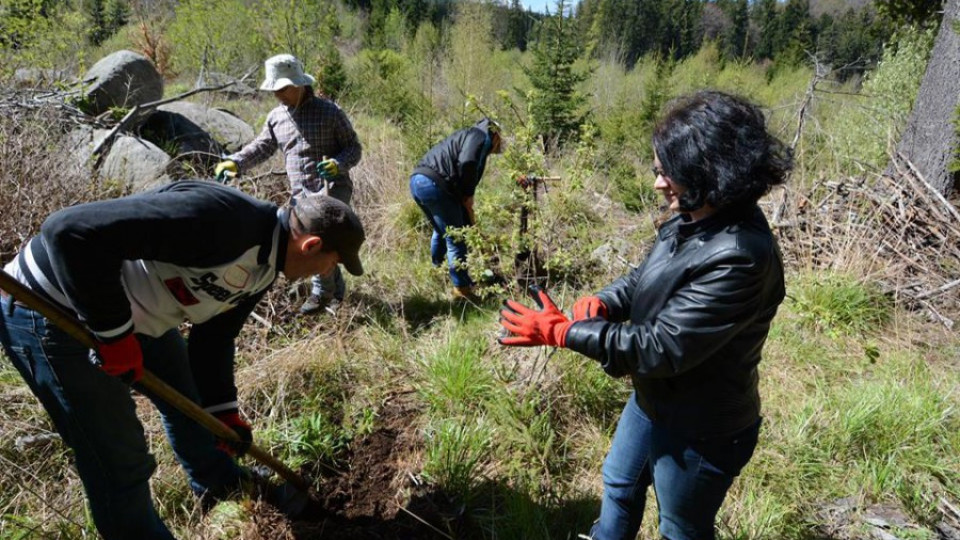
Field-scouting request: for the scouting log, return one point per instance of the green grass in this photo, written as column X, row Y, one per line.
column 836, row 303
column 455, row 452
column 455, row 379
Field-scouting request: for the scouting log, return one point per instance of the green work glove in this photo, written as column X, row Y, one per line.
column 328, row 169
column 225, row 169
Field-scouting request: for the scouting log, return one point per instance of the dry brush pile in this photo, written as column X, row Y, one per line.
column 894, row 229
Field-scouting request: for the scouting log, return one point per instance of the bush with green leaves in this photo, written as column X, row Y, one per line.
column 37, row 34
column 863, row 130
column 455, row 379
column 236, row 36
column 383, row 82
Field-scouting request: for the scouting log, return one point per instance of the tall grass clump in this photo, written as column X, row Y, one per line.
column 454, row 455
column 455, row 379
column 839, row 303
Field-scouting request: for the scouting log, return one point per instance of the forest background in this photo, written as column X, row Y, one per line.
column 403, row 408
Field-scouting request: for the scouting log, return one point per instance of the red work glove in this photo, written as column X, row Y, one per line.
column 233, row 421
column 122, row 358
column 589, row 307
column 530, row 327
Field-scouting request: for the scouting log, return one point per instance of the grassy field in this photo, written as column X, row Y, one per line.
column 413, row 421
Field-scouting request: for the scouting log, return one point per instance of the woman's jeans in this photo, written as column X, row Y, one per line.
column 690, row 478
column 443, row 211
column 95, row 415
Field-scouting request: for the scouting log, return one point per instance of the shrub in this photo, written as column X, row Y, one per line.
column 862, row 133
column 382, row 80
column 32, row 36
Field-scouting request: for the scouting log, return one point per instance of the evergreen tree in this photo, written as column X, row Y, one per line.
column 555, row 102
column 911, row 11
column 97, row 16
column 519, row 24
column 797, row 21
column 117, row 15
column 734, row 40
column 376, row 22
column 766, row 19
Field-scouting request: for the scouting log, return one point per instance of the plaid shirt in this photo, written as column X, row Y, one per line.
column 307, row 133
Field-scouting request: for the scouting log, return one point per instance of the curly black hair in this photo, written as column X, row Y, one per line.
column 717, row 146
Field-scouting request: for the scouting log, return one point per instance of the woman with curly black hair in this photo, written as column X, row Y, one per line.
column 687, row 325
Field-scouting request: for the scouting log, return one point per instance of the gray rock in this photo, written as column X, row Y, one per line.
column 134, row 162
column 121, row 79
column 611, row 252
column 226, row 128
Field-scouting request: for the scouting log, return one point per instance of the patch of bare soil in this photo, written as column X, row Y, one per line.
column 375, row 496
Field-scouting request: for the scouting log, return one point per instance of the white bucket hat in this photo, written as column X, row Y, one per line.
column 284, row 70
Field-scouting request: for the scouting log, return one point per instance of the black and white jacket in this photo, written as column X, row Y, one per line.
column 187, row 251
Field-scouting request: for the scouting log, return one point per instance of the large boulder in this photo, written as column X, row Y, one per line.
column 121, row 79
column 225, row 127
column 134, row 162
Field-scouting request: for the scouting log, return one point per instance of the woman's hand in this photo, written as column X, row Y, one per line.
column 530, row 327
column 589, row 307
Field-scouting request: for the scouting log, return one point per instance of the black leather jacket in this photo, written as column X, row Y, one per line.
column 698, row 311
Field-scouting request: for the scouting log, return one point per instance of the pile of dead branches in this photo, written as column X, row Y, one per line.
column 20, row 103
column 895, row 229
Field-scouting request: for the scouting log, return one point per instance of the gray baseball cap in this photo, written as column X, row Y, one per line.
column 335, row 223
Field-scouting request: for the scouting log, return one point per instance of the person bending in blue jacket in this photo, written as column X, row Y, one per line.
column 132, row 270
column 443, row 185
column 688, row 325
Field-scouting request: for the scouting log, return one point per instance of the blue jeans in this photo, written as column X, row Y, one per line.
column 332, row 285
column 690, row 478
column 95, row 415
column 443, row 211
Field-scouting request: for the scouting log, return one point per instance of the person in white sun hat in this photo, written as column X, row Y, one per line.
column 320, row 147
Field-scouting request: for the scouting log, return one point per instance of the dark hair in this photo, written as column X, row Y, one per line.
column 717, row 146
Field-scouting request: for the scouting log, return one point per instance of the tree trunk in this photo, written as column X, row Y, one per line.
column 930, row 138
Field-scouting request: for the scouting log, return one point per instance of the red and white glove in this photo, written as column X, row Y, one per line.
column 589, row 307
column 240, row 426
column 122, row 358
column 530, row 327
